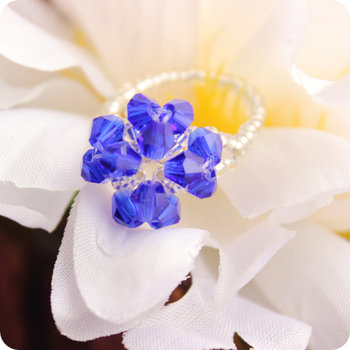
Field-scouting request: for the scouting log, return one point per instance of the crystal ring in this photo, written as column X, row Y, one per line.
column 149, row 153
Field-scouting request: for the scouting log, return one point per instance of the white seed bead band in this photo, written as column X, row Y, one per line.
column 234, row 146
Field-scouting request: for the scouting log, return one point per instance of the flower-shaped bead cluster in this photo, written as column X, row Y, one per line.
column 122, row 148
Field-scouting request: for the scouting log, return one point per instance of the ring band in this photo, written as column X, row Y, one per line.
column 137, row 137
column 234, row 145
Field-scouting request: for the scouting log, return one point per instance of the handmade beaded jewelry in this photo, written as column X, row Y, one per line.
column 148, row 136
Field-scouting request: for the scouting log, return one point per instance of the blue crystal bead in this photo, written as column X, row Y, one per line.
column 181, row 115
column 106, row 131
column 154, row 205
column 169, row 216
column 124, row 210
column 206, row 144
column 95, row 168
column 191, row 172
column 155, row 140
column 127, row 161
column 151, row 199
column 139, row 111
column 203, row 186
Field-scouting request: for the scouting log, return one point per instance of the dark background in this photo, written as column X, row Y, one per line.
column 27, row 258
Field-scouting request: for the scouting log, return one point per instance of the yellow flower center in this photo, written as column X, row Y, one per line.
column 218, row 106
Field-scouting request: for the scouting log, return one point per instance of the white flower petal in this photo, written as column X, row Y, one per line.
column 192, row 324
column 42, row 148
column 226, row 26
column 33, row 207
column 70, row 313
column 41, row 154
column 346, row 346
column 309, row 280
column 61, row 94
column 333, row 94
column 5, row 3
column 325, row 52
column 291, row 172
column 42, row 50
column 141, row 267
column 18, row 75
column 346, row 3
column 167, row 39
column 43, row 15
column 272, row 49
column 245, row 245
column 335, row 216
column 241, row 260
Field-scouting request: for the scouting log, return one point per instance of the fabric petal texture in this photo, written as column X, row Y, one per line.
column 34, row 207
column 192, row 323
column 313, row 284
column 40, row 152
column 62, row 94
column 329, row 93
column 40, row 49
column 40, row 169
column 172, row 22
column 287, row 155
column 122, row 273
column 245, row 246
column 71, row 315
column 335, row 216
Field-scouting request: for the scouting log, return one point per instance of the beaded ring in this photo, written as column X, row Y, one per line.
column 137, row 137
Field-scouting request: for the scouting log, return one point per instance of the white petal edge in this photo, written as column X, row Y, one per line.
column 71, row 315
column 325, row 52
column 274, row 46
column 335, row 216
column 192, row 323
column 60, row 94
column 146, row 266
column 346, row 346
column 42, row 14
column 168, row 28
column 42, row 50
column 309, row 279
column 32, row 207
column 345, row 3
column 329, row 93
column 245, row 246
column 218, row 23
column 241, row 260
column 290, row 172
column 41, row 152
column 43, row 148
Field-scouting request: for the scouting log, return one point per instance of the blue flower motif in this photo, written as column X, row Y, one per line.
column 156, row 126
column 154, row 133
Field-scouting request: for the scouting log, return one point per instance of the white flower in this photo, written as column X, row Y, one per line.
column 108, row 279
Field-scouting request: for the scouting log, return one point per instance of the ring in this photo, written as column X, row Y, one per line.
column 149, row 153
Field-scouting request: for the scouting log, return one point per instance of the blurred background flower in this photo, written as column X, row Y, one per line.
column 60, row 60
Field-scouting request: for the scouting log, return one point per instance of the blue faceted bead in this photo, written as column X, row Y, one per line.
column 191, row 172
column 124, row 210
column 206, row 144
column 156, row 139
column 155, row 206
column 203, row 186
column 151, row 200
column 181, row 115
column 139, row 111
column 95, row 169
column 184, row 168
column 127, row 161
column 106, row 131
column 169, row 216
